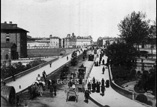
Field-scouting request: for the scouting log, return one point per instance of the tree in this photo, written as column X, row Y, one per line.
column 134, row 29
column 152, row 37
column 122, row 54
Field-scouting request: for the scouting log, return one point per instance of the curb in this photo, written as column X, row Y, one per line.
column 96, row 102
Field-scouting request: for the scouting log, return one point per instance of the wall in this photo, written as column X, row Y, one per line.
column 23, row 43
column 20, row 39
column 5, row 51
column 44, row 52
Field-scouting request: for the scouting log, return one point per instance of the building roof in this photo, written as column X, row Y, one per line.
column 9, row 27
column 6, row 45
column 54, row 37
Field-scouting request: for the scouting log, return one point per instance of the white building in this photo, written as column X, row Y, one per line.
column 55, row 42
column 37, row 44
column 83, row 41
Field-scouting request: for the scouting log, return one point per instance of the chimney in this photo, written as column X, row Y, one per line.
column 50, row 36
column 10, row 22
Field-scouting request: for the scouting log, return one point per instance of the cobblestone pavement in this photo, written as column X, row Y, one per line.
column 60, row 100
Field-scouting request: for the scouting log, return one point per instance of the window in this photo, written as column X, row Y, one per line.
column 7, row 38
column 6, row 56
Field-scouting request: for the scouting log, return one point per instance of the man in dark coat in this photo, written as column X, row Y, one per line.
column 51, row 89
column 102, row 90
column 103, row 70
column 103, row 62
column 93, row 85
column 103, row 82
column 48, row 84
column 44, row 76
column 70, row 84
column 97, row 87
column 86, row 95
column 89, row 86
column 55, row 88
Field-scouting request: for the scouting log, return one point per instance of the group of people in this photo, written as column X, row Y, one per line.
column 52, row 86
column 99, row 61
column 37, row 88
column 96, row 86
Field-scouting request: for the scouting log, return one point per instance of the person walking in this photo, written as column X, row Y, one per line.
column 102, row 82
column 55, row 88
column 50, row 65
column 40, row 89
column 103, row 70
column 89, row 86
column 97, row 87
column 51, row 88
column 48, row 84
column 103, row 62
column 44, row 76
column 86, row 95
column 93, row 85
column 70, row 84
column 102, row 90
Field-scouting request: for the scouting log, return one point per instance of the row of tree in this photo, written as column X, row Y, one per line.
column 7, row 71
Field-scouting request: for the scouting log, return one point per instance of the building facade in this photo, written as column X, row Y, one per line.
column 55, row 42
column 83, row 41
column 12, row 34
column 104, row 41
column 76, row 41
column 37, row 44
column 8, row 52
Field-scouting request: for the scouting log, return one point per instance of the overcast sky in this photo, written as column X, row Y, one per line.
column 82, row 17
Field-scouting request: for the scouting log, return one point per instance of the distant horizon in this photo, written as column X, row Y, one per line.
column 98, row 18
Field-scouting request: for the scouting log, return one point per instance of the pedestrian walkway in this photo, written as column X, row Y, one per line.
column 27, row 80
column 111, row 97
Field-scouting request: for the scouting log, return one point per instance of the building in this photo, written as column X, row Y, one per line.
column 8, row 52
column 104, row 41
column 13, row 35
column 76, row 41
column 69, row 41
column 83, row 41
column 55, row 42
column 35, row 43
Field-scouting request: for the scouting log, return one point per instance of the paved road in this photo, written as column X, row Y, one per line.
column 28, row 79
column 111, row 98
column 60, row 100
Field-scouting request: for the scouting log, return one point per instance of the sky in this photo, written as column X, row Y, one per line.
column 98, row 18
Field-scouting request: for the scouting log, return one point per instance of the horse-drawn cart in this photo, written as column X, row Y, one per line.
column 71, row 93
